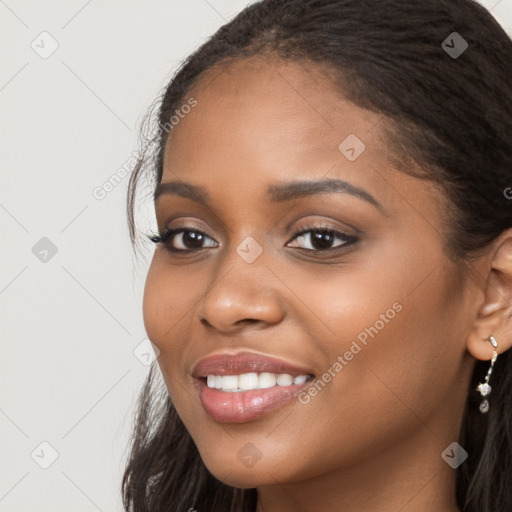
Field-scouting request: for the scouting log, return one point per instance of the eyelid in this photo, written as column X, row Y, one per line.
column 172, row 232
column 339, row 233
column 312, row 221
column 183, row 217
column 191, row 228
column 184, row 225
column 167, row 236
column 324, row 223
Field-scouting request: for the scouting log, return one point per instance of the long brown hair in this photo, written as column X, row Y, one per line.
column 452, row 114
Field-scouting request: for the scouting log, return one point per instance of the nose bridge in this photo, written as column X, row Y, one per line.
column 242, row 289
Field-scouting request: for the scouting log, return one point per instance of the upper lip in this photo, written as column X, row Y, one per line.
column 244, row 362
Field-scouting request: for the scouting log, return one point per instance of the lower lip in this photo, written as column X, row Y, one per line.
column 244, row 406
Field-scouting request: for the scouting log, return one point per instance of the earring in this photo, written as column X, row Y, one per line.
column 484, row 387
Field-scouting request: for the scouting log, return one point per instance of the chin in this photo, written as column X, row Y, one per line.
column 245, row 479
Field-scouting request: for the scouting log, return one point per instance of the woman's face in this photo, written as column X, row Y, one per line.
column 374, row 310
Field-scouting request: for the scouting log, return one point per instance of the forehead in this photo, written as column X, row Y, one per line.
column 261, row 122
column 264, row 115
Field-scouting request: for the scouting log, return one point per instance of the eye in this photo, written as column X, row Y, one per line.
column 182, row 239
column 316, row 238
column 310, row 238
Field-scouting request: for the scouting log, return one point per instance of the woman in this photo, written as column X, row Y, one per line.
column 331, row 291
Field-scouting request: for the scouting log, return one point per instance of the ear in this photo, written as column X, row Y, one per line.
column 494, row 317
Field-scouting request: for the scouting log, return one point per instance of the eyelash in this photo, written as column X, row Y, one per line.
column 166, row 237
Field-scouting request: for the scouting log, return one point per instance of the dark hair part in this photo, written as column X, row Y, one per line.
column 446, row 119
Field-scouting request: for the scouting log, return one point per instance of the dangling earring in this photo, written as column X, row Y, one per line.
column 484, row 387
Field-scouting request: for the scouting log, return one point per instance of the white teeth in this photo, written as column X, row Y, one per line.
column 247, row 381
column 300, row 379
column 284, row 379
column 266, row 380
column 229, row 382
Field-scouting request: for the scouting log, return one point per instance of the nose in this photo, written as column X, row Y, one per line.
column 241, row 296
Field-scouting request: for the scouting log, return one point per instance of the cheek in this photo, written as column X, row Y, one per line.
column 378, row 394
column 167, row 313
column 389, row 322
column 156, row 302
column 171, row 297
column 167, row 302
column 390, row 347
column 395, row 331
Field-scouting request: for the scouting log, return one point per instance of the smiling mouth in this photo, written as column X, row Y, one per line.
column 237, row 405
column 253, row 380
column 246, row 386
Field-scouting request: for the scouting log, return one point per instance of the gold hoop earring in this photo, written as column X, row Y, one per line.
column 484, row 387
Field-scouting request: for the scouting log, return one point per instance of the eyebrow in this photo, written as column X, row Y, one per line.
column 277, row 193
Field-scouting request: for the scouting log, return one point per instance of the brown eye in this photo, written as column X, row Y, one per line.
column 322, row 239
column 188, row 240
column 182, row 239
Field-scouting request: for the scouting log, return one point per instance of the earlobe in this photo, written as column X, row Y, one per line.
column 494, row 317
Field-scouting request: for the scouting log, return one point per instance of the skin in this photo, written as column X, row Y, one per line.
column 372, row 438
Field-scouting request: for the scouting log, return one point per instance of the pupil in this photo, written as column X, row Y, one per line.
column 194, row 238
column 321, row 240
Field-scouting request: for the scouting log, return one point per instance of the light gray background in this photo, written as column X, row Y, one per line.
column 70, row 324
